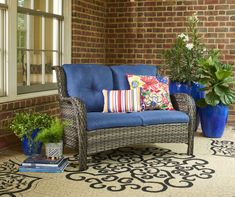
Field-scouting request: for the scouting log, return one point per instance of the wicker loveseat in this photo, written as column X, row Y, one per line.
column 91, row 131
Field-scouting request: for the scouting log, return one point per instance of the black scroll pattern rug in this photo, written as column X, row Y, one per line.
column 223, row 148
column 146, row 169
column 13, row 182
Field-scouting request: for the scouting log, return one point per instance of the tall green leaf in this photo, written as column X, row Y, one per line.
column 222, row 74
column 212, row 99
column 228, row 98
column 221, row 90
column 228, row 80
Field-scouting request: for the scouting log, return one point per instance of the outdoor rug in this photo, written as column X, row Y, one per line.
column 143, row 170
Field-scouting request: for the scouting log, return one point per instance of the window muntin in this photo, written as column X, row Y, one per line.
column 39, row 44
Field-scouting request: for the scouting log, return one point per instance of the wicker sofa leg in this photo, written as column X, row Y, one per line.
column 190, row 145
column 82, row 160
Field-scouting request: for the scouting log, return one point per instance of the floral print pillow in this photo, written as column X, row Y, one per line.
column 155, row 94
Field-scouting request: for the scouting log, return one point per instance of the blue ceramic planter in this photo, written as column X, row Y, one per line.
column 30, row 147
column 192, row 89
column 213, row 120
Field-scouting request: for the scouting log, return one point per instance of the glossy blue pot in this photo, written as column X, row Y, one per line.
column 29, row 146
column 192, row 89
column 213, row 120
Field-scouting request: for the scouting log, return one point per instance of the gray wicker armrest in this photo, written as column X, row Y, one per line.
column 184, row 102
column 76, row 109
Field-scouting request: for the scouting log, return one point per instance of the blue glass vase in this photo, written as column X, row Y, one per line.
column 192, row 89
column 29, row 146
column 213, row 120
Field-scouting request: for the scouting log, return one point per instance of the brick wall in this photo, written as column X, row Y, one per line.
column 138, row 32
column 88, row 31
column 124, row 32
column 46, row 104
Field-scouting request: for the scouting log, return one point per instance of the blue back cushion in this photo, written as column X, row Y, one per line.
column 87, row 81
column 119, row 74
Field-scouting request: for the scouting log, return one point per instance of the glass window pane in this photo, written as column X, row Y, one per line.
column 34, row 61
column 35, row 68
column 40, row 5
column 29, row 31
column 51, row 6
column 21, row 67
column 38, row 42
column 21, row 30
column 49, row 37
column 3, row 1
column 55, row 6
column 35, row 32
column 26, row 3
column 48, row 67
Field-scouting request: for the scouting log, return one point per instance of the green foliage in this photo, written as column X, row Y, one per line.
column 182, row 59
column 52, row 134
column 217, row 78
column 25, row 123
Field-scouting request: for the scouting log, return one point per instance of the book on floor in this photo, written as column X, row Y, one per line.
column 59, row 168
column 41, row 161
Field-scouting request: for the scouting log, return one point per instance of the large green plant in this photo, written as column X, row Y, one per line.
column 217, row 78
column 182, row 59
column 52, row 134
column 25, row 123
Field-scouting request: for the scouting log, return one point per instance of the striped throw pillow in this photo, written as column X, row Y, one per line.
column 122, row 100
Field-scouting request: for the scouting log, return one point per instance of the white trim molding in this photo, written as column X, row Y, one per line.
column 67, row 32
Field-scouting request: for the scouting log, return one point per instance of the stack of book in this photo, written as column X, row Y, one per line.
column 39, row 163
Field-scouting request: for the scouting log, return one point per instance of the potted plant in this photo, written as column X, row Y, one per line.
column 217, row 78
column 26, row 127
column 182, row 62
column 52, row 138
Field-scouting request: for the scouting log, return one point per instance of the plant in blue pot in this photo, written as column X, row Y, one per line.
column 181, row 62
column 217, row 79
column 26, row 126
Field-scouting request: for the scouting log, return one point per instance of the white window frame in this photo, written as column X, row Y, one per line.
column 11, row 51
column 3, row 48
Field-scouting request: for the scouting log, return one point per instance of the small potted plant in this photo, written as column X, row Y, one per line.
column 26, row 126
column 217, row 78
column 52, row 138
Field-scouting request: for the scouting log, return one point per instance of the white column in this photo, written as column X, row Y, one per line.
column 2, row 65
column 67, row 34
column 11, row 50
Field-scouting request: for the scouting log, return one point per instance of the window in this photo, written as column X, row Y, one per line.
column 32, row 37
column 3, row 8
column 39, row 44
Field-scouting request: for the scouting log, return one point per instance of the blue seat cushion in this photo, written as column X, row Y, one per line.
column 119, row 74
column 163, row 116
column 99, row 120
column 87, row 81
